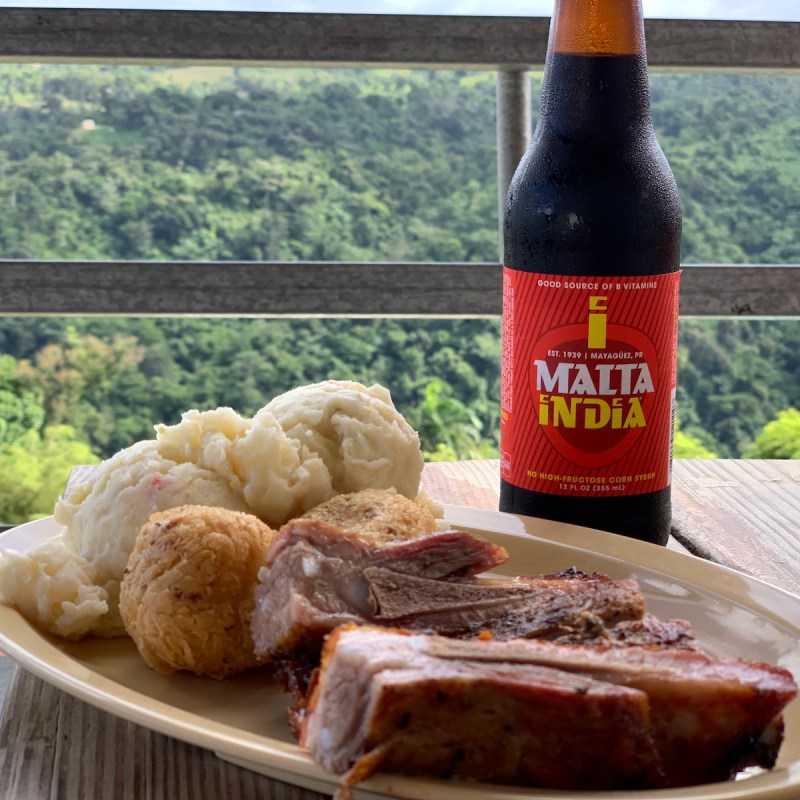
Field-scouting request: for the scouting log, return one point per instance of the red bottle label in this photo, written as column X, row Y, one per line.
column 588, row 382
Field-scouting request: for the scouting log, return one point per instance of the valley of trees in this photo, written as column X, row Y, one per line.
column 247, row 164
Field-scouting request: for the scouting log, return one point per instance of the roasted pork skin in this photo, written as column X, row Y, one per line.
column 699, row 720
column 711, row 716
column 383, row 703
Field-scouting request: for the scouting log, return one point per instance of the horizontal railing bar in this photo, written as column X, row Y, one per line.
column 281, row 39
column 330, row 289
column 754, row 290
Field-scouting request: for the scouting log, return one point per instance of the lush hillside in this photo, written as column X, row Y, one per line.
column 123, row 164
column 143, row 163
column 137, row 163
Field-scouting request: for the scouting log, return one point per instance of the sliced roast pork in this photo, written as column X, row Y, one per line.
column 317, row 577
column 541, row 606
column 314, row 579
column 538, row 713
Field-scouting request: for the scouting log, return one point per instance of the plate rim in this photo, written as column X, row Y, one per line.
column 615, row 546
column 288, row 762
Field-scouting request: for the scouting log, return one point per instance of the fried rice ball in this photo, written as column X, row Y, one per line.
column 378, row 516
column 187, row 592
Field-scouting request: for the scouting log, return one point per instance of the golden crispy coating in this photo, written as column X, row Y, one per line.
column 376, row 515
column 187, row 593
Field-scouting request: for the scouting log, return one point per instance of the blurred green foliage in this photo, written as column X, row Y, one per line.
column 780, row 438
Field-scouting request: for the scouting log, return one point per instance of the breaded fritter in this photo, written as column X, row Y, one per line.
column 187, row 592
column 376, row 515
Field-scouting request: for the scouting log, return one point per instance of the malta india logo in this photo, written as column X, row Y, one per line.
column 592, row 385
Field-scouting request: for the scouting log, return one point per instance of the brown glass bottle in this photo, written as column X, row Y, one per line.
column 591, row 248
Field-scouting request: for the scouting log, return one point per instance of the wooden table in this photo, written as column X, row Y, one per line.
column 745, row 514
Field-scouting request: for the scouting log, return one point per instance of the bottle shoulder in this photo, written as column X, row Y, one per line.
column 575, row 160
column 578, row 204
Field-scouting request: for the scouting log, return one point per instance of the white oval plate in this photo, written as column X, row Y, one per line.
column 244, row 719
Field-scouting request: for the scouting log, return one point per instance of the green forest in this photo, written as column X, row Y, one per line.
column 260, row 164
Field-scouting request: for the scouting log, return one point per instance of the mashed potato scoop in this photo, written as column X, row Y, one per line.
column 364, row 441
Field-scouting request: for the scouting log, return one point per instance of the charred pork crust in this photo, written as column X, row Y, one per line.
column 539, row 713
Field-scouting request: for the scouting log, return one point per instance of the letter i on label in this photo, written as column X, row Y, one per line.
column 594, row 377
column 597, row 322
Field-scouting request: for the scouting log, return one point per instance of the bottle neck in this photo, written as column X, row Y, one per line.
column 597, row 27
column 595, row 78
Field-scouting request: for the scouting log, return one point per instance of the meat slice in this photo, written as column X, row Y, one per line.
column 538, row 713
column 384, row 701
column 711, row 717
column 313, row 579
column 540, row 606
column 317, row 577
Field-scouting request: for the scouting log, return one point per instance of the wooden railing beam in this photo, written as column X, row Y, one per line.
column 364, row 40
column 333, row 289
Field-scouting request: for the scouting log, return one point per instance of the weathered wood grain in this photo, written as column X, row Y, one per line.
column 237, row 288
column 720, row 290
column 126, row 35
column 341, row 289
column 54, row 747
column 742, row 513
column 476, row 484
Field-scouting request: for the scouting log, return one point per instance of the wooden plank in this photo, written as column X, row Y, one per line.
column 326, row 289
column 756, row 290
column 341, row 289
column 475, row 484
column 46, row 735
column 742, row 513
column 280, row 39
column 718, row 44
column 463, row 483
column 6, row 670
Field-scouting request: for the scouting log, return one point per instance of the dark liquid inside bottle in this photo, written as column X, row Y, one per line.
column 594, row 195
